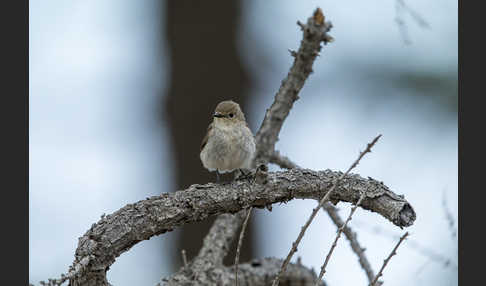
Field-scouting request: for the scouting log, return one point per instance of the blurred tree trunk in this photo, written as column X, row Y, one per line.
column 205, row 68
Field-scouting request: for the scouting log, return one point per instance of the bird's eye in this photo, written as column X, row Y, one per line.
column 231, row 115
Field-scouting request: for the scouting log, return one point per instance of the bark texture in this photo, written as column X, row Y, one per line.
column 257, row 272
column 118, row 232
column 315, row 33
column 207, row 267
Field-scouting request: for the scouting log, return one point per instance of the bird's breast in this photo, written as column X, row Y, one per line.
column 229, row 148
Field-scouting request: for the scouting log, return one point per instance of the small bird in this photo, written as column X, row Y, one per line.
column 229, row 144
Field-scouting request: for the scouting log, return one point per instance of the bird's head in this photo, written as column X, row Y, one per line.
column 228, row 112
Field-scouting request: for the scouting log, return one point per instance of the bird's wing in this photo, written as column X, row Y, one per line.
column 205, row 139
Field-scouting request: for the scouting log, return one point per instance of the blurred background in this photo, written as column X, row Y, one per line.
column 121, row 93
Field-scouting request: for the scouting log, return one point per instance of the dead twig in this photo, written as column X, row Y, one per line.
column 285, row 162
column 353, row 241
column 401, row 7
column 338, row 235
column 428, row 252
column 449, row 217
column 394, row 252
column 240, row 241
column 315, row 210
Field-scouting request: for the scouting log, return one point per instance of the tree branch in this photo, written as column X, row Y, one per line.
column 285, row 162
column 267, row 135
column 315, row 32
column 321, row 203
column 256, row 273
column 338, row 235
column 240, row 241
column 118, row 232
column 385, row 262
column 353, row 241
column 217, row 242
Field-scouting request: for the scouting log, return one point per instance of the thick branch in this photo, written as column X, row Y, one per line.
column 258, row 272
column 315, row 32
column 217, row 242
column 118, row 232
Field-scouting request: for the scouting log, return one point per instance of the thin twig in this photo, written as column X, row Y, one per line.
column 353, row 241
column 394, row 252
column 184, row 257
column 413, row 244
column 315, row 210
column 402, row 27
column 400, row 8
column 449, row 217
column 240, row 241
column 415, row 15
column 285, row 162
column 338, row 235
column 421, row 268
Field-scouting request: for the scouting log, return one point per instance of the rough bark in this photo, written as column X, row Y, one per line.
column 216, row 244
column 207, row 267
column 257, row 272
column 118, row 232
column 315, row 33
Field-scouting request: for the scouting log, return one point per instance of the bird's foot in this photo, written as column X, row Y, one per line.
column 244, row 176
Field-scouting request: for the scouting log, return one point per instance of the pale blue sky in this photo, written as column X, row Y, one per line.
column 96, row 67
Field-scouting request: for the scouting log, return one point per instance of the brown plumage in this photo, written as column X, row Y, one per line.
column 229, row 143
column 225, row 108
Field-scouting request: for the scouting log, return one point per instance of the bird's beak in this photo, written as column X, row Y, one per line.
column 219, row 115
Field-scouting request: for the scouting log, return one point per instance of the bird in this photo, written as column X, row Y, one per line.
column 229, row 143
